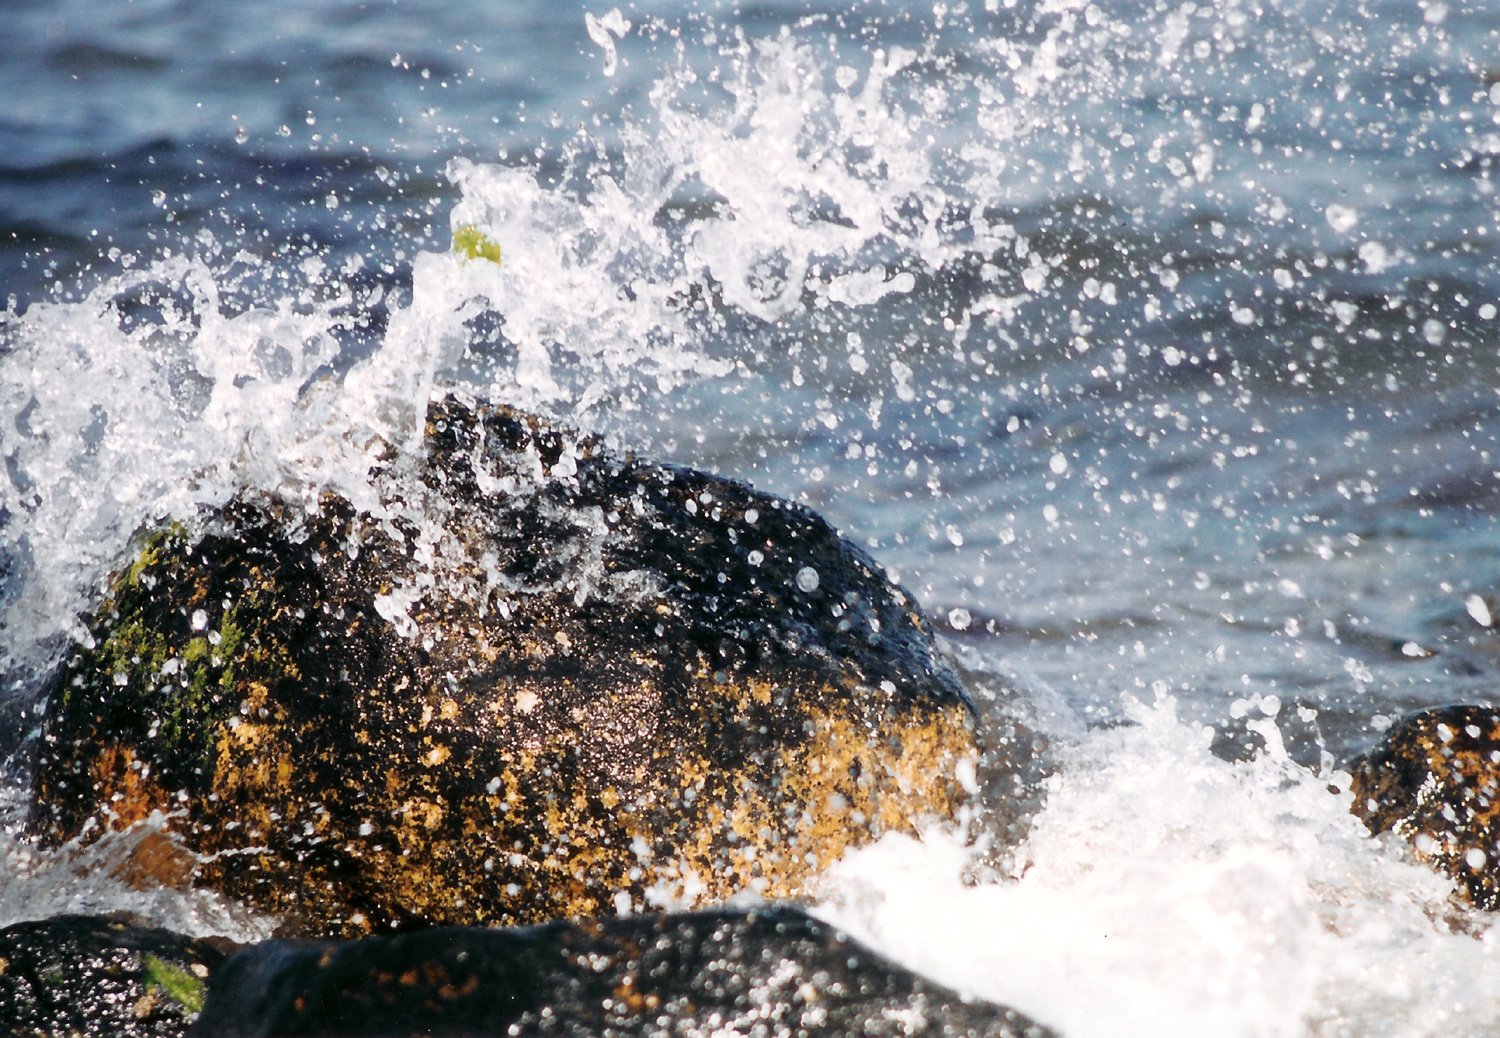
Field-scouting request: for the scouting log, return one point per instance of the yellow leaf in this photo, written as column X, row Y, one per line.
column 473, row 244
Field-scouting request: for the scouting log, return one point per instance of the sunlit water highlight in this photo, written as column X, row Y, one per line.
column 1152, row 344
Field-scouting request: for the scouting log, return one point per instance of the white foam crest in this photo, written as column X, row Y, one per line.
column 1167, row 891
column 773, row 174
column 590, row 279
column 383, row 398
column 790, row 144
column 111, row 427
column 798, row 169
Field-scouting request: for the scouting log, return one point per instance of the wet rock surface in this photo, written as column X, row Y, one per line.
column 104, row 976
column 765, row 972
column 1434, row 779
column 544, row 681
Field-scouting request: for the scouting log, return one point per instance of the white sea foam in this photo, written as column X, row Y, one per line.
column 1167, row 891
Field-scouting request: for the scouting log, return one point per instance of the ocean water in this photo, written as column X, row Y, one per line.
column 1155, row 345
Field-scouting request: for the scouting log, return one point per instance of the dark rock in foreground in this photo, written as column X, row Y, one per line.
column 544, row 680
column 1434, row 780
column 768, row 972
column 101, row 976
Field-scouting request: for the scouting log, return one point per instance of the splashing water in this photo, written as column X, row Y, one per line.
column 1167, row 891
column 1153, row 344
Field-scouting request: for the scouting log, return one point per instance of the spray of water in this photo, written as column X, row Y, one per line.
column 798, row 183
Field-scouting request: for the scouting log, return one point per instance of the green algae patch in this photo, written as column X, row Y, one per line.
column 153, row 547
column 181, row 677
column 178, row 984
column 472, row 243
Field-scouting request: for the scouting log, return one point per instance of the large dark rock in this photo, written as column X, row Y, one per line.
column 543, row 679
column 1434, row 779
column 101, row 976
column 767, row 972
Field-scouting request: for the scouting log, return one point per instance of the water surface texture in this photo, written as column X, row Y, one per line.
column 1154, row 345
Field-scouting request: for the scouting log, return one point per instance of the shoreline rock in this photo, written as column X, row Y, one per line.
column 767, row 971
column 550, row 682
column 102, row 976
column 1434, row 780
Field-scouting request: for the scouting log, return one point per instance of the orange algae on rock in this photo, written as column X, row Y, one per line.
column 1434, row 780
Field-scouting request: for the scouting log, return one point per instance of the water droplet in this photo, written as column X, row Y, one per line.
column 807, row 579
column 1375, row 256
column 1341, row 218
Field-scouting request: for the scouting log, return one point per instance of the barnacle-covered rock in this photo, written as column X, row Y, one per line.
column 1434, row 779
column 102, row 976
column 765, row 972
column 541, row 680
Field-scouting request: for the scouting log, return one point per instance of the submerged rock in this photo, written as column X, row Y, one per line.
column 1434, row 779
column 766, row 972
column 101, row 976
column 545, row 681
